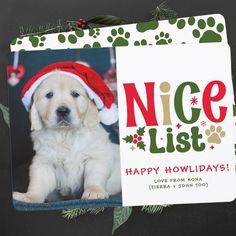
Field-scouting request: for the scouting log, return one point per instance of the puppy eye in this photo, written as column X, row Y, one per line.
column 74, row 94
column 49, row 95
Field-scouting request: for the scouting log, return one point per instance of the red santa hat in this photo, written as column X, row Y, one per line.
column 95, row 87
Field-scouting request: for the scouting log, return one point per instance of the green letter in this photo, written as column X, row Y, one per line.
column 153, row 145
column 182, row 139
column 179, row 103
column 195, row 136
column 170, row 146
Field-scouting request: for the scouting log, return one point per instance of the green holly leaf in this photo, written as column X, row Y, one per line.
column 141, row 131
column 128, row 139
column 108, row 20
column 120, row 216
column 141, row 145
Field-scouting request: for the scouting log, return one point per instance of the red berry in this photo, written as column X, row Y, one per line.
column 80, row 19
column 135, row 141
column 139, row 138
column 135, row 136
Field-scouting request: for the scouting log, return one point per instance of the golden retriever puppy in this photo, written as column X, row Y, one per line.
column 73, row 150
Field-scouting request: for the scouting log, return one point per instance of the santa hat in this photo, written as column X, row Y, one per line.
column 95, row 87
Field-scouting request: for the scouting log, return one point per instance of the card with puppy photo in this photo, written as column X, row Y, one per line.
column 64, row 130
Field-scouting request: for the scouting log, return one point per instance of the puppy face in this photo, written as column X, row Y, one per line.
column 61, row 102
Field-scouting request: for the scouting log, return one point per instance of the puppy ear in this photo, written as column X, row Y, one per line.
column 91, row 117
column 36, row 123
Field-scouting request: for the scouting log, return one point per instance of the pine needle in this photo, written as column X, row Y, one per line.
column 74, row 213
column 154, row 209
column 163, row 12
column 44, row 29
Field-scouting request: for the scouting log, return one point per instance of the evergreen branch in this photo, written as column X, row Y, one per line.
column 163, row 12
column 153, row 209
column 95, row 211
column 74, row 213
column 45, row 29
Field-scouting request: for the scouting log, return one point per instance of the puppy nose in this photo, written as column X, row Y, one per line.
column 63, row 111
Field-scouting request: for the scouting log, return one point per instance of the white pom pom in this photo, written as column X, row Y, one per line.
column 109, row 116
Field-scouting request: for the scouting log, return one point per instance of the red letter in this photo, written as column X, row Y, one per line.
column 149, row 114
column 207, row 99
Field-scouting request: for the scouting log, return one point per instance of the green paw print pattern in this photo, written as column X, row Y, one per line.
column 37, row 41
column 143, row 42
column 16, row 41
column 94, row 32
column 95, row 45
column 144, row 26
column 163, row 38
column 209, row 35
column 180, row 23
column 72, row 38
column 119, row 37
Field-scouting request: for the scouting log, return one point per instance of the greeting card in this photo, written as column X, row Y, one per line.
column 167, row 122
column 176, row 124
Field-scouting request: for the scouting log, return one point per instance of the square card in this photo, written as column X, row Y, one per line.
column 174, row 112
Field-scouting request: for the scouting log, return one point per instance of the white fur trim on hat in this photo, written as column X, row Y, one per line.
column 27, row 99
column 109, row 116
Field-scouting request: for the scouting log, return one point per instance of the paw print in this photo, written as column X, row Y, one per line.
column 215, row 134
column 143, row 42
column 180, row 23
column 72, row 38
column 16, row 41
column 94, row 32
column 119, row 37
column 210, row 35
column 37, row 41
column 145, row 26
column 95, row 45
column 163, row 38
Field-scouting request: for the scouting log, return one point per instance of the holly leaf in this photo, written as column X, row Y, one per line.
column 128, row 139
column 141, row 145
column 108, row 20
column 120, row 216
column 141, row 131
column 91, row 25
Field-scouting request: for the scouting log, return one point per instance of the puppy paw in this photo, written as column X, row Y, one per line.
column 24, row 197
column 94, row 192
